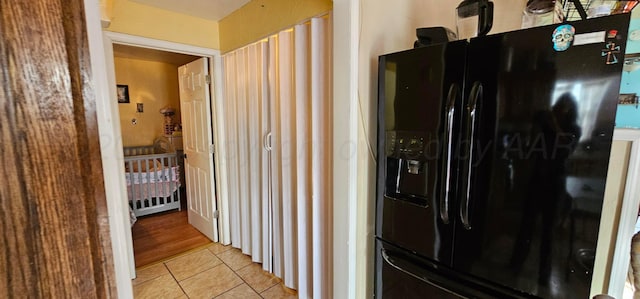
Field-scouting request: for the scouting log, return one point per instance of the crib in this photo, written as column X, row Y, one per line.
column 153, row 178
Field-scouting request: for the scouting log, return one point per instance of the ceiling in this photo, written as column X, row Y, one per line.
column 177, row 59
column 207, row 9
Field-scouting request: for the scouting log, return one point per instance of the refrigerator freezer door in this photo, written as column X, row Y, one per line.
column 420, row 98
column 396, row 281
column 401, row 274
column 541, row 138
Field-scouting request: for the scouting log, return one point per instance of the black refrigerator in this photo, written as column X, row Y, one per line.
column 492, row 161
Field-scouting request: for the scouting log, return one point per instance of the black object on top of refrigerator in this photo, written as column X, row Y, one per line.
column 493, row 157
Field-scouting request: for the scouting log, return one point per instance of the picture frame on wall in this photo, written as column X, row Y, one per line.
column 628, row 99
column 123, row 93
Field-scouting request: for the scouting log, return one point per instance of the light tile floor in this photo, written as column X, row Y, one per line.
column 212, row 271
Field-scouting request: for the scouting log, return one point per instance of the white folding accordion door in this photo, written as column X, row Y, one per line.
column 278, row 110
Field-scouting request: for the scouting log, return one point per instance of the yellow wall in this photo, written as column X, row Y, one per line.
column 155, row 84
column 147, row 21
column 260, row 18
column 106, row 10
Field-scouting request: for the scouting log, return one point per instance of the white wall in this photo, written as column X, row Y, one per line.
column 385, row 27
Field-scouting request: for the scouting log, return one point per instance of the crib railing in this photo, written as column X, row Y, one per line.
column 153, row 179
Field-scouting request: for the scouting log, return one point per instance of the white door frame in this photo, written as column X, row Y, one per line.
column 628, row 213
column 109, row 128
column 352, row 272
column 119, row 230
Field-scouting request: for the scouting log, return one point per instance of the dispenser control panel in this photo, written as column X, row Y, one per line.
column 407, row 145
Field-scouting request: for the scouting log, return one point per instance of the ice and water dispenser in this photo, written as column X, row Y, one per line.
column 407, row 166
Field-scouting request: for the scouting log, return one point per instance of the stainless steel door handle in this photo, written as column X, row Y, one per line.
column 454, row 92
column 474, row 97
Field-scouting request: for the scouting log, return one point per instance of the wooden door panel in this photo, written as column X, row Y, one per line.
column 53, row 218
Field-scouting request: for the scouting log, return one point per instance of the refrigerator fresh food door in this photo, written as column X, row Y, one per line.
column 537, row 133
column 420, row 96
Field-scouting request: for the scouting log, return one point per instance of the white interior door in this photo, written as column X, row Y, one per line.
column 195, row 104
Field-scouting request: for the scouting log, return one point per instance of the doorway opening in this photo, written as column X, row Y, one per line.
column 150, row 115
column 121, row 230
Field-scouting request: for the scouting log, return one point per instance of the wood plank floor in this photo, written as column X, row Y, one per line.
column 157, row 237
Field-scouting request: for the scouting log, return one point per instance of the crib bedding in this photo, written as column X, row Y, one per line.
column 160, row 189
column 157, row 182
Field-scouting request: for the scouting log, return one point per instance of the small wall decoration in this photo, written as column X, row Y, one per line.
column 628, row 99
column 123, row 93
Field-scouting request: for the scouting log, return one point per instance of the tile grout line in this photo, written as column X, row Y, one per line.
column 185, row 254
column 235, row 287
column 243, row 280
column 194, row 274
column 222, row 262
column 175, row 256
column 188, row 253
column 236, row 273
column 175, row 279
